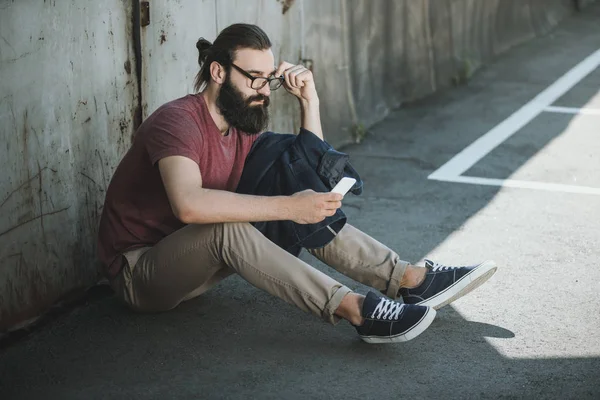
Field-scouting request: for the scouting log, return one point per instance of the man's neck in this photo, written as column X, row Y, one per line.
column 210, row 97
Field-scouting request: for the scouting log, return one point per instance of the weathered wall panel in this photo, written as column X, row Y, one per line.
column 170, row 58
column 403, row 50
column 67, row 99
column 327, row 44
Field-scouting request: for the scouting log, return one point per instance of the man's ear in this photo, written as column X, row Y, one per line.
column 217, row 72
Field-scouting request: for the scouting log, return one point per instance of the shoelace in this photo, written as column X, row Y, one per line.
column 387, row 309
column 436, row 267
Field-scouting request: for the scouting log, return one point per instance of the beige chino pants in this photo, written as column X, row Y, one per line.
column 193, row 259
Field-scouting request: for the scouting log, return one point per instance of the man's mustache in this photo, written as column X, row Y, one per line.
column 259, row 97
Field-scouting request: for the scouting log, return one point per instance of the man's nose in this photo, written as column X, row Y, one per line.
column 265, row 90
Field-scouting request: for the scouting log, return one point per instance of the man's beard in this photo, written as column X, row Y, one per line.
column 238, row 112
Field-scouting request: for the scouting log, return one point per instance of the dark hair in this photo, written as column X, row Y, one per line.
column 232, row 38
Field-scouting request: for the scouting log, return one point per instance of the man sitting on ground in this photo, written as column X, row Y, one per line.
column 172, row 226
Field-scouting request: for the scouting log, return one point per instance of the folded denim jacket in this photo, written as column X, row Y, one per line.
column 283, row 164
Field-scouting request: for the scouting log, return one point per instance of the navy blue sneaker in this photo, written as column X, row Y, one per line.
column 443, row 285
column 388, row 321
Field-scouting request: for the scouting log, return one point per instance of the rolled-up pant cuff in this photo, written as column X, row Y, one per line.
column 333, row 304
column 397, row 274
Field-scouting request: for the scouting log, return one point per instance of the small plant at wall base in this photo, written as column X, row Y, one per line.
column 359, row 132
column 466, row 68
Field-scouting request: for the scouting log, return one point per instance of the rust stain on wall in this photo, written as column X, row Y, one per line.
column 287, row 4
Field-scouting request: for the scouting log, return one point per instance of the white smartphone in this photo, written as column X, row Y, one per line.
column 344, row 186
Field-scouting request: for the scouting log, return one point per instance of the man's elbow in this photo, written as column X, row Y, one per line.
column 190, row 215
column 185, row 213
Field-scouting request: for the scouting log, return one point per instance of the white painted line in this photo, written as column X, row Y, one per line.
column 551, row 187
column 571, row 110
column 482, row 146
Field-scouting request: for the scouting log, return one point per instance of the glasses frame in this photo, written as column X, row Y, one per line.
column 266, row 81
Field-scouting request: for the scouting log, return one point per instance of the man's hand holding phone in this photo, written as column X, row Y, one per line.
column 310, row 207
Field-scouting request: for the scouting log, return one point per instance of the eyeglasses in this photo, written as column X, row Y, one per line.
column 259, row 82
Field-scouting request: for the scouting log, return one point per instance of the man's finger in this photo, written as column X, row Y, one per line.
column 294, row 72
column 294, row 68
column 291, row 76
column 282, row 68
column 303, row 76
column 288, row 80
column 334, row 196
column 334, row 205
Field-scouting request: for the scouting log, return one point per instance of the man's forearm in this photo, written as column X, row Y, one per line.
column 311, row 117
column 206, row 206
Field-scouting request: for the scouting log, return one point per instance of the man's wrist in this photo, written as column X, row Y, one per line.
column 309, row 104
column 284, row 207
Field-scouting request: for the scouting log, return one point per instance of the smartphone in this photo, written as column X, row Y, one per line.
column 344, row 185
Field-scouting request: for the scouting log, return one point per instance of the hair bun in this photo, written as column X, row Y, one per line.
column 203, row 46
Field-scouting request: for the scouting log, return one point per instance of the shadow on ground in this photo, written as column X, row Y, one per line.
column 249, row 345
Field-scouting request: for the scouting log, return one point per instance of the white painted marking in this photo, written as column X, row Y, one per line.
column 571, row 110
column 551, row 187
column 485, row 144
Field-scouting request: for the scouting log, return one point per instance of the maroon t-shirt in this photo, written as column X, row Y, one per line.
column 136, row 210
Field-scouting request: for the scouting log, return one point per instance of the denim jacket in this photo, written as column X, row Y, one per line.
column 283, row 164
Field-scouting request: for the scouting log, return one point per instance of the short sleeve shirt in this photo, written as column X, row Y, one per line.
column 136, row 210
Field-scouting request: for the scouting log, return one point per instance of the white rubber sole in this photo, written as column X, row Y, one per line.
column 415, row 331
column 466, row 284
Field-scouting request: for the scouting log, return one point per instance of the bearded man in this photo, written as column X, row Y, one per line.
column 172, row 225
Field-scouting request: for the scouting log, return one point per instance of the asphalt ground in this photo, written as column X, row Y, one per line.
column 532, row 331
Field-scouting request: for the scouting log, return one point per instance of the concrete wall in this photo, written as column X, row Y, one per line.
column 69, row 96
column 66, row 109
column 368, row 56
column 403, row 50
